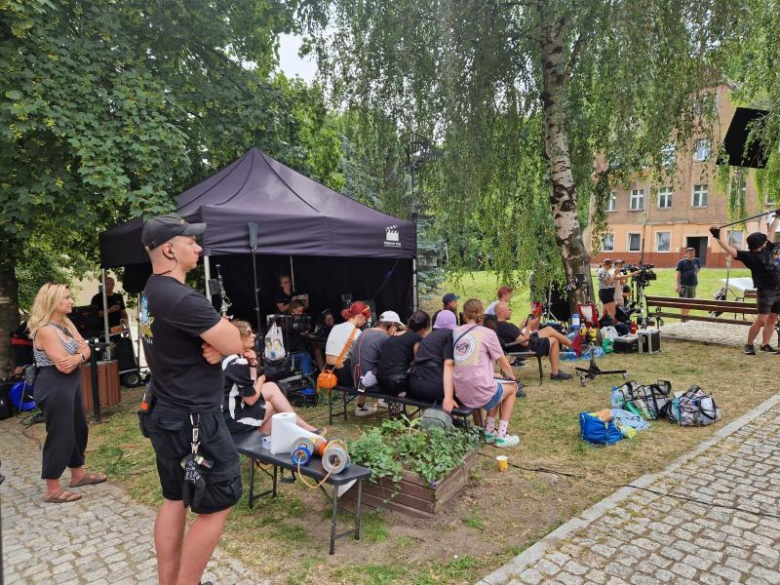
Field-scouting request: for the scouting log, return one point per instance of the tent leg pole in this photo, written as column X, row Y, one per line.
column 416, row 298
column 260, row 329
column 292, row 273
column 106, row 332
column 207, row 272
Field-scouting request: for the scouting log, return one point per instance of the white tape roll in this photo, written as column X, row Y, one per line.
column 335, row 459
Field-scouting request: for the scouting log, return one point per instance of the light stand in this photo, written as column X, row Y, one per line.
column 253, row 248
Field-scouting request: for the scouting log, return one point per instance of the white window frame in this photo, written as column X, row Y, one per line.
column 657, row 247
column 703, row 150
column 611, row 237
column 628, row 241
column 665, row 194
column 612, row 202
column 669, row 154
column 699, row 190
column 636, row 195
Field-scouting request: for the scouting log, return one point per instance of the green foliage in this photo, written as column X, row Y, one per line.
column 399, row 444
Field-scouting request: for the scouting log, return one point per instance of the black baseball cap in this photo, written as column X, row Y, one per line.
column 163, row 228
column 448, row 298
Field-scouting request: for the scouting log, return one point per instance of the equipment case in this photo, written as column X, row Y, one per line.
column 649, row 341
column 626, row 344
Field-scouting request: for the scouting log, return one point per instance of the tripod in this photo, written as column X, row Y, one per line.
column 640, row 304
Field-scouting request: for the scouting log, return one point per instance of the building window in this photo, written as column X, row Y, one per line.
column 668, row 155
column 735, row 239
column 637, row 202
column 699, row 196
column 612, row 202
column 634, row 242
column 664, row 198
column 663, row 241
column 608, row 243
column 702, row 150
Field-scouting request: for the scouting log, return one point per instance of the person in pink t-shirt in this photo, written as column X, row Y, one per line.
column 476, row 348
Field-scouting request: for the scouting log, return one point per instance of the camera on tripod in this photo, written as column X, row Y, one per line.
column 644, row 273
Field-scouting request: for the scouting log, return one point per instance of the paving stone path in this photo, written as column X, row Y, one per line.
column 730, row 535
column 104, row 538
column 716, row 333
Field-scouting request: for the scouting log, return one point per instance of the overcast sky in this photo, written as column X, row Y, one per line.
column 291, row 63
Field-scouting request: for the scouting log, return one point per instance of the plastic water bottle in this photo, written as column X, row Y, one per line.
column 575, row 321
column 617, row 398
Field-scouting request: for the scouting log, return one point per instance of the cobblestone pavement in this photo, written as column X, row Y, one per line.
column 731, row 534
column 103, row 538
column 717, row 333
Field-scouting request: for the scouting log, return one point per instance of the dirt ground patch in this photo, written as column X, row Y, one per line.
column 497, row 515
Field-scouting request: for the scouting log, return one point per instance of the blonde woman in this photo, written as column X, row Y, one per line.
column 59, row 350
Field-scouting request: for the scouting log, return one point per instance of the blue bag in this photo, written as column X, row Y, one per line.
column 595, row 430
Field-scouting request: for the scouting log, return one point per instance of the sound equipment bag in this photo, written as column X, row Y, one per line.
column 626, row 344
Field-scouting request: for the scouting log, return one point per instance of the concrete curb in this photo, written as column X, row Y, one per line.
column 534, row 553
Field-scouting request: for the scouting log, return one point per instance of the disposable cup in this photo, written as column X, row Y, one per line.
column 503, row 462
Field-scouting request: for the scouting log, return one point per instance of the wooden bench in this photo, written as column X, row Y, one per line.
column 251, row 446
column 348, row 394
column 710, row 305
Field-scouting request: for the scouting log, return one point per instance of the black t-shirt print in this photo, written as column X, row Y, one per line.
column 173, row 317
column 762, row 267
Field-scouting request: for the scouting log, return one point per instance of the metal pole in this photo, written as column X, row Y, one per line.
column 744, row 219
column 292, row 274
column 107, row 334
column 416, row 299
column 207, row 272
column 93, row 365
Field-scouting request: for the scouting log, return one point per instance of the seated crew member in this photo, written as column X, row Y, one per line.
column 546, row 341
column 285, row 295
column 115, row 303
column 321, row 331
column 295, row 340
column 250, row 401
column 434, row 364
column 449, row 302
column 398, row 353
column 341, row 341
column 504, row 295
column 475, row 348
column 368, row 349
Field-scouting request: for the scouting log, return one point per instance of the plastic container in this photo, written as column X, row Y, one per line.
column 575, row 321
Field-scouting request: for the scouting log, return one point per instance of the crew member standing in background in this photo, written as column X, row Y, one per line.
column 687, row 277
column 184, row 339
column 114, row 301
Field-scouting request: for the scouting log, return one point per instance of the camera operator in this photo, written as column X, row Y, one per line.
column 687, row 278
column 622, row 274
column 766, row 278
column 198, row 465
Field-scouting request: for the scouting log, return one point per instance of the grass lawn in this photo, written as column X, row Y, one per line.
column 497, row 515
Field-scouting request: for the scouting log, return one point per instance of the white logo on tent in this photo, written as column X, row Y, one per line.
column 392, row 237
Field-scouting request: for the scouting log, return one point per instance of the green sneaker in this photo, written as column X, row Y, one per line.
column 507, row 441
column 490, row 438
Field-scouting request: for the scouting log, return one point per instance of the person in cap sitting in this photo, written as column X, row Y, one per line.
column 366, row 352
column 449, row 302
column 397, row 355
column 434, row 364
column 546, row 341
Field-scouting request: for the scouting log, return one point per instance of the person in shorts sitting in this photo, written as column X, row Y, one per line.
column 475, row 349
column 546, row 341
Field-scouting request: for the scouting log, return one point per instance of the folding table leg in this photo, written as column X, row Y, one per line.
column 252, row 464
column 333, row 520
column 541, row 370
column 357, row 512
column 276, row 473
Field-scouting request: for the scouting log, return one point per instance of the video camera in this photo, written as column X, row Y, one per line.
column 644, row 273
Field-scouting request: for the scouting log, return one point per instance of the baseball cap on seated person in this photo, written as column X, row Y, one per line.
column 445, row 320
column 391, row 317
column 448, row 298
column 163, row 228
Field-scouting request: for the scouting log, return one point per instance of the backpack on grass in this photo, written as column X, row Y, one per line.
column 694, row 408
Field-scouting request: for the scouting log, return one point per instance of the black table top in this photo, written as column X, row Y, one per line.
column 251, row 445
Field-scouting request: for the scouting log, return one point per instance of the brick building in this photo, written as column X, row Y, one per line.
column 659, row 228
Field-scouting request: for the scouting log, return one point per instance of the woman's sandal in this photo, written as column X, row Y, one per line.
column 89, row 479
column 62, row 496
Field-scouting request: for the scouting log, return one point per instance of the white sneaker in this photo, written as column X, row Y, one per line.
column 365, row 410
column 507, row 441
column 382, row 403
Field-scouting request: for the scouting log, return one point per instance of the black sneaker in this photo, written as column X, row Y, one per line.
column 769, row 349
column 561, row 375
column 520, row 392
column 749, row 349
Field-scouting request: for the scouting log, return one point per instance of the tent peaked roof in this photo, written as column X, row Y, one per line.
column 294, row 216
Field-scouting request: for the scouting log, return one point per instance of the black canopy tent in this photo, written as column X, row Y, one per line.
column 330, row 243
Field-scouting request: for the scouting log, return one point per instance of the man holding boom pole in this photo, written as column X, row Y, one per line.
column 766, row 278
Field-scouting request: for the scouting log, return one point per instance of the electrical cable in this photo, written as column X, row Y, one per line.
column 636, row 487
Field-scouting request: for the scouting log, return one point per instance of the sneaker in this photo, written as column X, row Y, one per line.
column 561, row 375
column 520, row 363
column 382, row 403
column 520, row 392
column 490, row 438
column 769, row 349
column 749, row 349
column 507, row 441
column 365, row 410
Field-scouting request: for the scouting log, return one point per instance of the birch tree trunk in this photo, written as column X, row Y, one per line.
column 563, row 196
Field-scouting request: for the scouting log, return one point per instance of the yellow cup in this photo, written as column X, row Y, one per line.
column 503, row 462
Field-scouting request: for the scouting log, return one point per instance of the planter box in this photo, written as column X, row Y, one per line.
column 414, row 495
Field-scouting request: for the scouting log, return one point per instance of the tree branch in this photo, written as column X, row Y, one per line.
column 581, row 41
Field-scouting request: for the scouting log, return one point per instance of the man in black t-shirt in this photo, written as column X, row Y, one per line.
column 285, row 295
column 687, row 272
column 184, row 339
column 546, row 341
column 766, row 278
column 114, row 302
